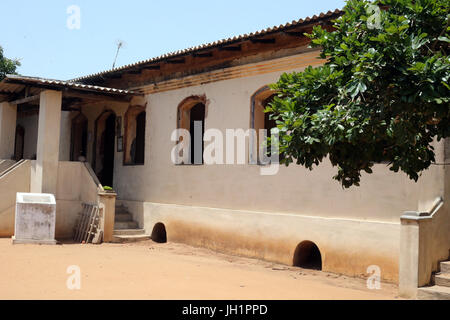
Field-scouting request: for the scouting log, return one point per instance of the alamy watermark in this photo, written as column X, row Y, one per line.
column 374, row 19
column 74, row 18
column 213, row 148
column 374, row 280
column 74, row 280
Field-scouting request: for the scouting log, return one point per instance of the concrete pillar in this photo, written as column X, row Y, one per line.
column 414, row 264
column 46, row 174
column 8, row 117
column 107, row 201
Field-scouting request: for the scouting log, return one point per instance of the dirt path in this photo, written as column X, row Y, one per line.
column 169, row 271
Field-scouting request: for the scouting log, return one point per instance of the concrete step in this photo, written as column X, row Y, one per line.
column 442, row 279
column 434, row 293
column 122, row 210
column 125, row 225
column 123, row 217
column 129, row 232
column 445, row 267
column 128, row 239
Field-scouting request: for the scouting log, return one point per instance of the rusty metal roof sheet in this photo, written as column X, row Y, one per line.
column 222, row 42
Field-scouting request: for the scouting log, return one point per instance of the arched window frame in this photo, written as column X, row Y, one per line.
column 130, row 126
column 183, row 112
column 256, row 105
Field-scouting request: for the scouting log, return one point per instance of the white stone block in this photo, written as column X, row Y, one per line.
column 35, row 218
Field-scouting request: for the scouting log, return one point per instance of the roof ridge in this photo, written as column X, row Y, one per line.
column 172, row 54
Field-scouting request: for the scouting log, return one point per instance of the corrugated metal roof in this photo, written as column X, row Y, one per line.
column 15, row 83
column 222, row 42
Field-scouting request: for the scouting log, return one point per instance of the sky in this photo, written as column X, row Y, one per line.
column 45, row 36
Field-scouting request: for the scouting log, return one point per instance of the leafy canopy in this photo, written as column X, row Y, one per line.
column 7, row 66
column 382, row 95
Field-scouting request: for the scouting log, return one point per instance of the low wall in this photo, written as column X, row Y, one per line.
column 5, row 164
column 425, row 242
column 347, row 246
column 17, row 180
column 75, row 186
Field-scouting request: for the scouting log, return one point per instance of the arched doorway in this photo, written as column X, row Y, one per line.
column 19, row 143
column 105, row 139
column 78, row 141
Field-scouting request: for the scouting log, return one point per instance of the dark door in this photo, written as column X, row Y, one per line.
column 108, row 150
column 19, row 144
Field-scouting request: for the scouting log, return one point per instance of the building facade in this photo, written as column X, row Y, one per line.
column 122, row 122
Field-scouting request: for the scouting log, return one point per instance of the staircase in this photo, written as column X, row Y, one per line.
column 126, row 229
column 441, row 289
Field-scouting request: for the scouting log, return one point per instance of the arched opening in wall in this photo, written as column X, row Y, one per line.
column 261, row 122
column 159, row 234
column 307, row 255
column 78, row 139
column 19, row 143
column 191, row 117
column 134, row 139
column 28, row 120
column 105, row 138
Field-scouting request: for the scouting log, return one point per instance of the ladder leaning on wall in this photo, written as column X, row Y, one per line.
column 87, row 228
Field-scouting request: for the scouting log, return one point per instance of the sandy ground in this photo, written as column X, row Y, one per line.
column 148, row 270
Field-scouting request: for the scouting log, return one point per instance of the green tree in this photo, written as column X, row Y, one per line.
column 382, row 95
column 7, row 66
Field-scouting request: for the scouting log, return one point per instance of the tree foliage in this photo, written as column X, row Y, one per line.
column 7, row 66
column 382, row 95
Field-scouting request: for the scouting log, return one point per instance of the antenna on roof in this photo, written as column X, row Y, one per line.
column 120, row 44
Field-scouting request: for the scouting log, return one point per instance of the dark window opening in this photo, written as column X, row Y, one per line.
column 137, row 150
column 269, row 123
column 197, row 121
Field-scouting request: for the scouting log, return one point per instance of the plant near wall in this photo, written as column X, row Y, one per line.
column 7, row 66
column 382, row 95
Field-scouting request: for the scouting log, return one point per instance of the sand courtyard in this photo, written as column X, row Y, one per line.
column 148, row 270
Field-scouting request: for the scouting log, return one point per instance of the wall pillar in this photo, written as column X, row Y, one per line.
column 107, row 201
column 414, row 267
column 47, row 162
column 8, row 117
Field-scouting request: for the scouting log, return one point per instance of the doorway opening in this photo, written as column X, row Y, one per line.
column 78, row 141
column 19, row 143
column 105, row 128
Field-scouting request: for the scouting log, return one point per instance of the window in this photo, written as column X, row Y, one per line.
column 134, row 139
column 191, row 116
column 259, row 121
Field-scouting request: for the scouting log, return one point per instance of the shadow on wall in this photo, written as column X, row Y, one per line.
column 307, row 255
column 159, row 234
